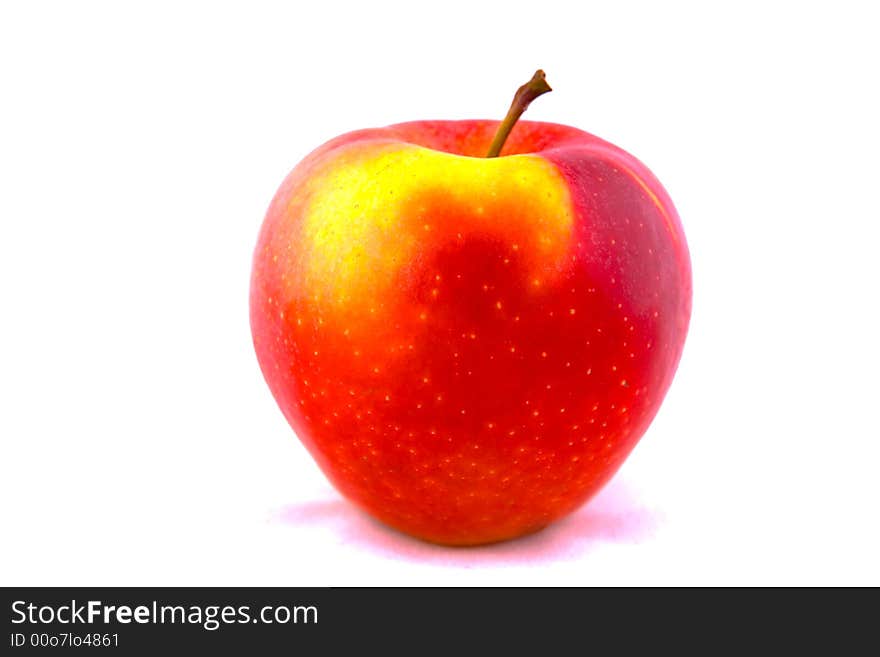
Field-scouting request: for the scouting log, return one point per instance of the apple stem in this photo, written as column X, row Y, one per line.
column 524, row 96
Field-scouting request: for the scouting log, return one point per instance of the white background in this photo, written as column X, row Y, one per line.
column 140, row 145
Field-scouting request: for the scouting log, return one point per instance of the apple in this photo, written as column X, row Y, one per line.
column 470, row 346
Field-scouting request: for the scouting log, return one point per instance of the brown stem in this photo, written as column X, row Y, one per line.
column 524, row 95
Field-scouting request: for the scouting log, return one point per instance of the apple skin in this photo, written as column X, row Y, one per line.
column 470, row 347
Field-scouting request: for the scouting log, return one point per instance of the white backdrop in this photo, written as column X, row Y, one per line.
column 140, row 146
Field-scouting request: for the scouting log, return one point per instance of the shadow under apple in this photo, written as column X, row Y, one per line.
column 614, row 515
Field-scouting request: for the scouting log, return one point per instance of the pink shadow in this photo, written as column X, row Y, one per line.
column 615, row 515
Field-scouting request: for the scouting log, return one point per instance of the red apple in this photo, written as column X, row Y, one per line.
column 470, row 346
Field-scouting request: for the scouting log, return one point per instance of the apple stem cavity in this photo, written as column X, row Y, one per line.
column 521, row 100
